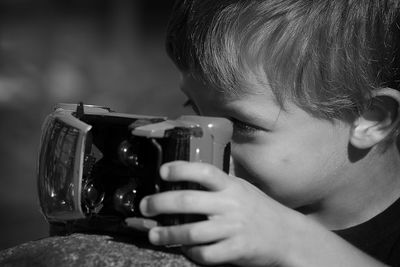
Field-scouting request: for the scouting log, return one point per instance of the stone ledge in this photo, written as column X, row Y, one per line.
column 91, row 250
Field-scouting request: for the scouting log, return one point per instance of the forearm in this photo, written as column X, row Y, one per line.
column 312, row 245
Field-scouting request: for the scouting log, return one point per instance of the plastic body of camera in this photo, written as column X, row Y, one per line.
column 96, row 165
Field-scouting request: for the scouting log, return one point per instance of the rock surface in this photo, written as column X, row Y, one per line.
column 91, row 250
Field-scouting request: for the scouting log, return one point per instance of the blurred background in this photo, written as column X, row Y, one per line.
column 104, row 52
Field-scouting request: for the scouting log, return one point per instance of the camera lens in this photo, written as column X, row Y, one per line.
column 93, row 196
column 125, row 199
column 129, row 155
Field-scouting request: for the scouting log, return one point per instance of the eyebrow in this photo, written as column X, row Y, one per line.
column 244, row 113
column 269, row 118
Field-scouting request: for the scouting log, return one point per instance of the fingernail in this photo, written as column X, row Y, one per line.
column 143, row 206
column 164, row 171
column 154, row 236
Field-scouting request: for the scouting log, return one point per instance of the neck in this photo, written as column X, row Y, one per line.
column 364, row 194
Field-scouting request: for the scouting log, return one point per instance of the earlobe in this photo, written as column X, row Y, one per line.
column 379, row 121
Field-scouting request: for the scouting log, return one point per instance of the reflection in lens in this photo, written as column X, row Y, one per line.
column 93, row 196
column 125, row 199
column 128, row 155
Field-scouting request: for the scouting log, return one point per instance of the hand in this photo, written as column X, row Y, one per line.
column 244, row 225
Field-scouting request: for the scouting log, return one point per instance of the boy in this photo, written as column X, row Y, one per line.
column 312, row 90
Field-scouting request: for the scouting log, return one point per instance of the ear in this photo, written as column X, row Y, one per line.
column 379, row 121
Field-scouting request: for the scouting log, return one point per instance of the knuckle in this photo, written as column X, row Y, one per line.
column 168, row 236
column 207, row 170
column 205, row 255
column 192, row 234
column 236, row 248
column 202, row 254
column 238, row 226
column 238, row 183
column 185, row 200
column 233, row 204
column 163, row 233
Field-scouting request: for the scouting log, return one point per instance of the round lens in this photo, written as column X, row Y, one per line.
column 93, row 196
column 128, row 155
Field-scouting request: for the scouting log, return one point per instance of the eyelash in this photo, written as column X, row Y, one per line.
column 239, row 127
column 243, row 128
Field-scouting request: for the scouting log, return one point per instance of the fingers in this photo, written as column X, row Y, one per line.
column 221, row 252
column 188, row 201
column 183, row 201
column 207, row 175
column 140, row 224
column 208, row 241
column 190, row 234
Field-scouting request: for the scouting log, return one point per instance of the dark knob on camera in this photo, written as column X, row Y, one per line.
column 93, row 196
column 125, row 199
column 128, row 155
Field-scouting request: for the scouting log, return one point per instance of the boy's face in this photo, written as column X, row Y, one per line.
column 290, row 155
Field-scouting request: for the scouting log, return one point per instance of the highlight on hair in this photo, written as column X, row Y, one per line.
column 325, row 56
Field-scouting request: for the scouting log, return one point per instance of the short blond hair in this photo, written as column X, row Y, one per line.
column 325, row 56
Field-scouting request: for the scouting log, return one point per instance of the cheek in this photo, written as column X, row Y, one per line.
column 286, row 168
column 269, row 163
column 313, row 151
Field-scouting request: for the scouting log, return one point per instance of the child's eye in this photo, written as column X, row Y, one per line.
column 240, row 128
column 244, row 129
column 190, row 104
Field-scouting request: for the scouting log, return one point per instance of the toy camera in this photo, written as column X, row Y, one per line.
column 96, row 164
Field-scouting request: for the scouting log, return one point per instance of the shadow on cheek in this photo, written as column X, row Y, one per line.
column 238, row 170
column 355, row 154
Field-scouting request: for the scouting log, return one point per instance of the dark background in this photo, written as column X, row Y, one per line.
column 105, row 52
